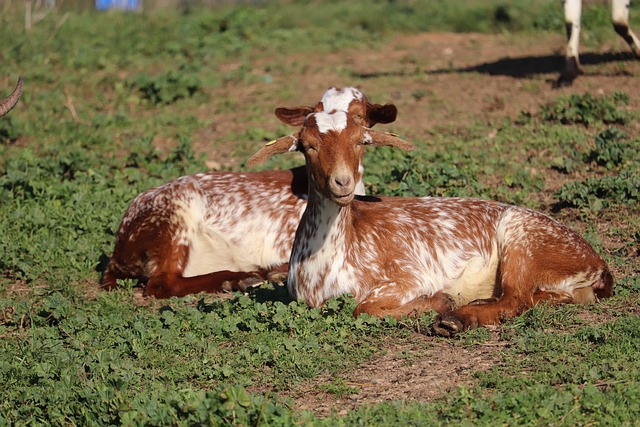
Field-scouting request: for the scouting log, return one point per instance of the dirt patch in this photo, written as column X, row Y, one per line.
column 420, row 369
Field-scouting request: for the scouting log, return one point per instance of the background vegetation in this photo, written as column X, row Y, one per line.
column 112, row 105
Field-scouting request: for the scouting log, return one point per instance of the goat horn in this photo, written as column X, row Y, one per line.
column 8, row 103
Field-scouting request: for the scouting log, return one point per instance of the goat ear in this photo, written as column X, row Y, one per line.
column 277, row 146
column 293, row 116
column 386, row 139
column 382, row 113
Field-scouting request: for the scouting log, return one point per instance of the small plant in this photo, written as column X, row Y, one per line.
column 611, row 150
column 339, row 388
column 597, row 193
column 168, row 88
column 587, row 109
column 395, row 173
column 9, row 130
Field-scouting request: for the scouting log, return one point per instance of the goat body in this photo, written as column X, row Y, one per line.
column 572, row 12
column 219, row 231
column 473, row 261
column 209, row 232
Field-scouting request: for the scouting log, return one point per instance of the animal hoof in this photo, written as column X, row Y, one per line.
column 276, row 276
column 570, row 73
column 483, row 301
column 249, row 282
column 447, row 326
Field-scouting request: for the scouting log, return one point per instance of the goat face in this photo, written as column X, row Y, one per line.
column 333, row 146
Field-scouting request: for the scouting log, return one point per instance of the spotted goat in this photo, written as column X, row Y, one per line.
column 473, row 261
column 10, row 101
column 217, row 231
column 572, row 12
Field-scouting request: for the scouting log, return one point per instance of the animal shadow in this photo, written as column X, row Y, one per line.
column 523, row 67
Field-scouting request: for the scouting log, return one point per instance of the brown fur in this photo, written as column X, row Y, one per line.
column 149, row 244
column 403, row 256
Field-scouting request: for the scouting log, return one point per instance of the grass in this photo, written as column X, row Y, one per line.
column 103, row 89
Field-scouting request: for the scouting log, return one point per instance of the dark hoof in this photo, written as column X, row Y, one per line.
column 447, row 326
column 569, row 74
column 249, row 282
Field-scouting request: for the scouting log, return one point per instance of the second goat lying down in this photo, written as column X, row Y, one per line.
column 217, row 231
column 401, row 256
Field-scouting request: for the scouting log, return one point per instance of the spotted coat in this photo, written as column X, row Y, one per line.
column 473, row 261
column 221, row 230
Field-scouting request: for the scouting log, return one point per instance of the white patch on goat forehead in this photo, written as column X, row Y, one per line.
column 339, row 99
column 331, row 122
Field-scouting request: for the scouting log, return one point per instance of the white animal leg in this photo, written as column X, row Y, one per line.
column 572, row 12
column 620, row 19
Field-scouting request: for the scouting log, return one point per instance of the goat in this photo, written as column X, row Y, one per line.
column 572, row 12
column 220, row 231
column 400, row 256
column 9, row 102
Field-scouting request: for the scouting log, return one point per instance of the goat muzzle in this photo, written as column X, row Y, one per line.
column 342, row 189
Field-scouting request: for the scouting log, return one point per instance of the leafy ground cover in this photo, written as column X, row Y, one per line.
column 117, row 103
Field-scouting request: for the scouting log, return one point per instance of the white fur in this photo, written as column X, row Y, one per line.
column 339, row 99
column 619, row 16
column 336, row 122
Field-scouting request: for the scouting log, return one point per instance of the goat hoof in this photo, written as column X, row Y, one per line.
column 483, row 301
column 249, row 282
column 276, row 276
column 447, row 326
column 156, row 292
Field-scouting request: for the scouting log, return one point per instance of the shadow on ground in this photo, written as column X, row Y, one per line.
column 519, row 67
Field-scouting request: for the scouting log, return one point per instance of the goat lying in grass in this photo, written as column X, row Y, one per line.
column 401, row 256
column 218, row 231
column 10, row 101
column 572, row 12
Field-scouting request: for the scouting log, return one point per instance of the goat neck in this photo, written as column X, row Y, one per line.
column 333, row 151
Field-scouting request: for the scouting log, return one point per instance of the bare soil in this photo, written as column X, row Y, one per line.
column 421, row 369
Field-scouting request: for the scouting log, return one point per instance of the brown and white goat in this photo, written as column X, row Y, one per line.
column 10, row 101
column 217, row 231
column 572, row 12
column 401, row 256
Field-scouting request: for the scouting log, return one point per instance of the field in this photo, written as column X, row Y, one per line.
column 117, row 103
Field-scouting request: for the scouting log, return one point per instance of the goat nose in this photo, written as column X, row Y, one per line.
column 342, row 181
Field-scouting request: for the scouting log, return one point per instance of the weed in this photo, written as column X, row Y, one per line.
column 9, row 130
column 339, row 388
column 611, row 150
column 588, row 109
column 411, row 175
column 168, row 88
column 601, row 192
